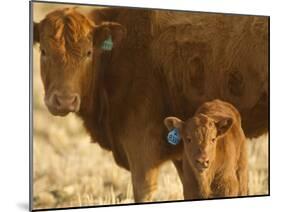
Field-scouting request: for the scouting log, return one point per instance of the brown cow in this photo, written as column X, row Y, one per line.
column 215, row 151
column 167, row 61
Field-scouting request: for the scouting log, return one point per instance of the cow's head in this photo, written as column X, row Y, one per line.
column 200, row 135
column 69, row 42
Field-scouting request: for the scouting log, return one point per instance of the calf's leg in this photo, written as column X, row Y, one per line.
column 242, row 172
column 191, row 188
column 228, row 186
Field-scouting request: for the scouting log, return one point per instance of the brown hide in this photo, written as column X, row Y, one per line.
column 228, row 174
column 207, row 56
column 202, row 57
column 169, row 64
column 215, row 160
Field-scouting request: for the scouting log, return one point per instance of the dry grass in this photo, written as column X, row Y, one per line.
column 71, row 171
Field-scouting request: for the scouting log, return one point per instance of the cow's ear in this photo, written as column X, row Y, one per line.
column 223, row 124
column 108, row 35
column 173, row 122
column 35, row 32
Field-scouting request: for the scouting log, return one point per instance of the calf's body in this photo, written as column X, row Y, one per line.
column 215, row 153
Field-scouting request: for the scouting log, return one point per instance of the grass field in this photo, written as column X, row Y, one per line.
column 71, row 171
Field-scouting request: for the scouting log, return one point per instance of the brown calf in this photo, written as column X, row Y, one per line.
column 215, row 153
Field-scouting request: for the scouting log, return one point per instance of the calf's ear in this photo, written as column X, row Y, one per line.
column 108, row 35
column 173, row 122
column 223, row 124
column 35, row 32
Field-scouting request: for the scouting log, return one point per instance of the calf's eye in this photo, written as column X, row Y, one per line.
column 213, row 140
column 188, row 140
column 89, row 53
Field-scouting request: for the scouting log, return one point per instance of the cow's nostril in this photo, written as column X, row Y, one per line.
column 65, row 101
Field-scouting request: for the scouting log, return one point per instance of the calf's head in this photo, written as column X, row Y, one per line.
column 69, row 43
column 200, row 135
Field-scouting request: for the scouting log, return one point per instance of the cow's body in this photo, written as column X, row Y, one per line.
column 166, row 62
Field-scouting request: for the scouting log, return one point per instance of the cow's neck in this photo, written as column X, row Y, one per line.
column 94, row 105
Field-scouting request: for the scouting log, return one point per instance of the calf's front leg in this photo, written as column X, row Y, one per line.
column 228, row 186
column 192, row 189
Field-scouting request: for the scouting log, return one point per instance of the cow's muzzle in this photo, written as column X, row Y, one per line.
column 62, row 104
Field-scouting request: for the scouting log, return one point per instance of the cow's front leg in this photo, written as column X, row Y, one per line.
column 144, row 169
column 144, row 160
column 144, row 182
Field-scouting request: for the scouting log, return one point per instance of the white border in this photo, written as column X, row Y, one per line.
column 14, row 104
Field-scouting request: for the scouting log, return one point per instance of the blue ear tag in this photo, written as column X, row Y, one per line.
column 107, row 44
column 173, row 136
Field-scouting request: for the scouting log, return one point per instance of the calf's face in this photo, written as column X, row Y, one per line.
column 68, row 43
column 200, row 135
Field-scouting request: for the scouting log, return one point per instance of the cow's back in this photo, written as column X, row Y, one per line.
column 209, row 56
column 196, row 57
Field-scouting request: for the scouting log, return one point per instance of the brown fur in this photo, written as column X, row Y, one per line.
column 125, row 93
column 213, row 139
column 203, row 57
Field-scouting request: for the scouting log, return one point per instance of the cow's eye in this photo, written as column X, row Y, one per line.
column 43, row 52
column 213, row 140
column 89, row 53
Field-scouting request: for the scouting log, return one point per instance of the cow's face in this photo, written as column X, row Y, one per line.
column 200, row 135
column 69, row 43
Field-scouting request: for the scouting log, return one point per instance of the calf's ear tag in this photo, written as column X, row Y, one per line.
column 107, row 44
column 173, row 136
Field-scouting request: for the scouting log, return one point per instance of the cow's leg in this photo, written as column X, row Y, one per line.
column 142, row 150
column 144, row 172
column 144, row 180
column 143, row 139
